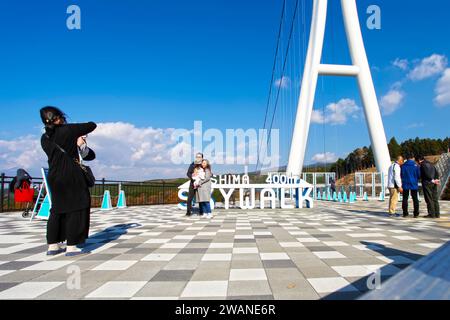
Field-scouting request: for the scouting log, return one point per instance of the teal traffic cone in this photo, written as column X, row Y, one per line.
column 121, row 202
column 365, row 197
column 106, row 202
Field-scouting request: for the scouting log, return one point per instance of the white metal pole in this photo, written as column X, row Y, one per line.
column 309, row 84
column 366, row 87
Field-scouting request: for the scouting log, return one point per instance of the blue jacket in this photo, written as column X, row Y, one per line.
column 410, row 175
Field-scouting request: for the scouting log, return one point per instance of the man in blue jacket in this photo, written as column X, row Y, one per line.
column 410, row 180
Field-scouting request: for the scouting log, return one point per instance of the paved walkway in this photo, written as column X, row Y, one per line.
column 157, row 253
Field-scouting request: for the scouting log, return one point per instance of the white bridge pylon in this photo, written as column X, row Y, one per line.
column 360, row 69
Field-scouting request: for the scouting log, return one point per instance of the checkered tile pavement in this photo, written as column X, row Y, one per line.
column 157, row 253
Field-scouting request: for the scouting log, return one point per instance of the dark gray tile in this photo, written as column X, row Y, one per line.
column 201, row 240
column 272, row 264
column 193, row 250
column 5, row 285
column 17, row 265
column 316, row 248
column 173, row 275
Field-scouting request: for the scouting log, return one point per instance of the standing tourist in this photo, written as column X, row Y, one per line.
column 395, row 184
column 203, row 192
column 71, row 200
column 410, row 182
column 198, row 161
column 430, row 181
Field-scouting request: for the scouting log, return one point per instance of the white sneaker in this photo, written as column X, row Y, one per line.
column 208, row 216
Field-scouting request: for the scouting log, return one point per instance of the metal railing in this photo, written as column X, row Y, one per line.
column 137, row 193
column 443, row 168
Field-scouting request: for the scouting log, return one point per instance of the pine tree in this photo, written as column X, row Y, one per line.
column 394, row 148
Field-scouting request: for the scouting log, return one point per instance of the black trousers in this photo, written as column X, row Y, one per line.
column 190, row 199
column 432, row 199
column 71, row 226
column 415, row 197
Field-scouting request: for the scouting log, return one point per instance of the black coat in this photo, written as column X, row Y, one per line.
column 66, row 180
column 191, row 172
column 428, row 172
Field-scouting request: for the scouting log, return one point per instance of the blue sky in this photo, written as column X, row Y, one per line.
column 165, row 64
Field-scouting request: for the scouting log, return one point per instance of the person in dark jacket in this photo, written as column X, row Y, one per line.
column 191, row 195
column 17, row 182
column 430, row 181
column 71, row 200
column 410, row 179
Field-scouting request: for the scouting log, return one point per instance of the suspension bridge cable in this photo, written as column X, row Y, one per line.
column 273, row 73
column 283, row 70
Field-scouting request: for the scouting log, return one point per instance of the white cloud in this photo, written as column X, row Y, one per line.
column 415, row 125
column 428, row 67
column 283, row 82
column 402, row 64
column 327, row 157
column 443, row 90
column 23, row 152
column 123, row 152
column 336, row 113
column 390, row 102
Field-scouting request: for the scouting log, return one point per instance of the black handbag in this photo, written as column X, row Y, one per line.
column 87, row 171
column 88, row 174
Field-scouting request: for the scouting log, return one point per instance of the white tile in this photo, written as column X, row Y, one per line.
column 217, row 257
column 174, row 245
column 207, row 234
column 245, row 250
column 49, row 265
column 381, row 242
column 368, row 247
column 299, row 233
column 158, row 240
column 405, row 238
column 333, row 230
column 262, row 233
column 28, row 290
column 366, row 235
column 335, row 243
column 385, row 270
column 329, row 255
column 159, row 257
column 431, row 245
column 353, row 271
column 19, row 247
column 308, row 240
column 205, row 289
column 329, row 285
column 244, row 236
column 247, row 274
column 19, row 239
column 115, row 265
column 291, row 245
column 274, row 256
column 226, row 231
column 117, row 289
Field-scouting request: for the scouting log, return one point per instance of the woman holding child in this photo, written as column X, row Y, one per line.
column 202, row 184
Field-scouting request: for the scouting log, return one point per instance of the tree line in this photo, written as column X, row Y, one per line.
column 363, row 158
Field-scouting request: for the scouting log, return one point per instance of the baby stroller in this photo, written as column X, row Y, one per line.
column 23, row 192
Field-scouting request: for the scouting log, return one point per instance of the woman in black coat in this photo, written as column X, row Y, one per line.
column 71, row 200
